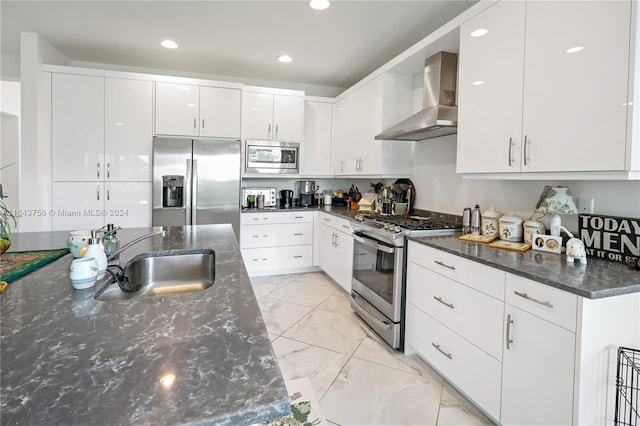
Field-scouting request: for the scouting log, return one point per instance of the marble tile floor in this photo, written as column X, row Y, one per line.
column 357, row 378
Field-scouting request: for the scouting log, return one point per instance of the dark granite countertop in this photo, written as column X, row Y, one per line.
column 597, row 279
column 69, row 359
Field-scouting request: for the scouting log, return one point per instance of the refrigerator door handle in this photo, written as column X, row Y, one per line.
column 194, row 190
column 187, row 195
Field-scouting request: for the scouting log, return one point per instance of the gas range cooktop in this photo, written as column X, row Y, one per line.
column 394, row 229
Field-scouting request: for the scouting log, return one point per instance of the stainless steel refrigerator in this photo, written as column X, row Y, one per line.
column 196, row 181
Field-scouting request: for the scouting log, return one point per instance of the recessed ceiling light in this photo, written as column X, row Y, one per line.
column 479, row 32
column 478, row 83
column 574, row 49
column 319, row 4
column 285, row 58
column 169, row 44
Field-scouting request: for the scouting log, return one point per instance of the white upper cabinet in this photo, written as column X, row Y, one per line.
column 191, row 110
column 77, row 127
column 128, row 129
column 316, row 149
column 545, row 88
column 220, row 112
column 490, row 94
column 272, row 116
column 360, row 116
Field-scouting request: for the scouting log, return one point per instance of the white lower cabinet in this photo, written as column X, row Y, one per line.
column 523, row 351
column 276, row 242
column 537, row 371
column 336, row 249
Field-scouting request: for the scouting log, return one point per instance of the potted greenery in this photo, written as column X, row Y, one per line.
column 6, row 217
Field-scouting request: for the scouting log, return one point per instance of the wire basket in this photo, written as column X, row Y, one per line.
column 627, row 388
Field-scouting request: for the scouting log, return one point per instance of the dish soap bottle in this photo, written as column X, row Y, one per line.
column 96, row 251
column 111, row 244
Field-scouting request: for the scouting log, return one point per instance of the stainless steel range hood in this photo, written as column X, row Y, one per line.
column 439, row 116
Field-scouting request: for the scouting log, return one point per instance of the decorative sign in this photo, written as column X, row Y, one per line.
column 611, row 238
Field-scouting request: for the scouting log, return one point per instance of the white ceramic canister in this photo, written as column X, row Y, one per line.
column 532, row 227
column 511, row 228
column 491, row 222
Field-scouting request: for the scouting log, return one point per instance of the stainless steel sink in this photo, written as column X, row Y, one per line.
column 162, row 273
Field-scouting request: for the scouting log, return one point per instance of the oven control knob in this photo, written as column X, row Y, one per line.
column 397, row 228
column 386, row 226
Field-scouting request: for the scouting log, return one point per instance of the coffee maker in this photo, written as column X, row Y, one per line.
column 306, row 192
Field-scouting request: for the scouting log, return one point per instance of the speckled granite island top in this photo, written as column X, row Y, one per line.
column 595, row 280
column 70, row 359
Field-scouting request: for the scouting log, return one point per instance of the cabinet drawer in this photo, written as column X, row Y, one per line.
column 474, row 315
column 483, row 278
column 254, row 236
column 276, row 258
column 469, row 368
column 340, row 224
column 551, row 304
column 275, row 217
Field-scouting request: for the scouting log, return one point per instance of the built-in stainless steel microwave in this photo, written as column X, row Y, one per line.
column 271, row 157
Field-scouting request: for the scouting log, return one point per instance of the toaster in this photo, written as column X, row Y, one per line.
column 269, row 195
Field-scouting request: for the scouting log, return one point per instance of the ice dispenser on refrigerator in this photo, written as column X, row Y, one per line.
column 172, row 191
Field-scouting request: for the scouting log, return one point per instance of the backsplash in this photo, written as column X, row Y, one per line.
column 440, row 188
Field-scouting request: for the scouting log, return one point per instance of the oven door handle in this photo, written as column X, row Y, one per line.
column 385, row 324
column 371, row 243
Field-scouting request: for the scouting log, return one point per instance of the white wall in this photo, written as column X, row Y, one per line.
column 309, row 89
column 35, row 128
column 439, row 188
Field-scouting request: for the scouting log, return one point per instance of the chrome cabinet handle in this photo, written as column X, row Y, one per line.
column 508, row 337
column 439, row 299
column 203, row 126
column 276, row 131
column 510, row 158
column 441, row 351
column 526, row 150
column 195, row 123
column 453, row 268
column 296, row 217
column 346, row 227
column 326, row 219
column 297, row 234
column 269, row 131
column 98, row 170
column 108, row 193
column 341, row 166
column 108, row 170
column 98, row 192
column 295, row 257
column 540, row 302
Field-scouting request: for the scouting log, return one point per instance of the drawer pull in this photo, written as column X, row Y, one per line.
column 441, row 351
column 346, row 226
column 439, row 299
column 295, row 257
column 326, row 219
column 509, row 339
column 297, row 217
column 526, row 296
column 297, row 234
column 453, row 268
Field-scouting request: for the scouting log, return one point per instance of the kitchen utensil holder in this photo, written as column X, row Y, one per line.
column 628, row 388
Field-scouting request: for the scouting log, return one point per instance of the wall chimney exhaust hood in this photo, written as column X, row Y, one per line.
column 439, row 116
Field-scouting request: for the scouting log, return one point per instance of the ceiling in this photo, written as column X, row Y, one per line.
column 336, row 47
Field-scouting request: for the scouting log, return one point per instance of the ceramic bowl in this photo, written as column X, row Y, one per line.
column 77, row 241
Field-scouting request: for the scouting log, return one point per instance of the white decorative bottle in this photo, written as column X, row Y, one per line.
column 96, row 250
